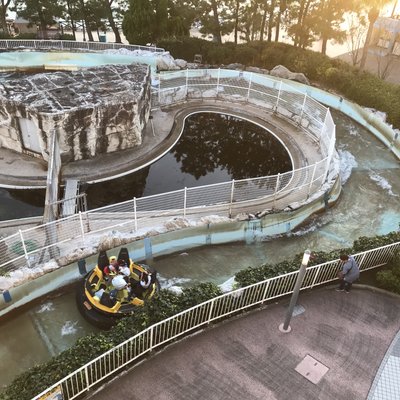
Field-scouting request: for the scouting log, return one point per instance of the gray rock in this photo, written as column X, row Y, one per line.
column 182, row 64
column 257, row 70
column 299, row 77
column 235, row 66
column 282, row 72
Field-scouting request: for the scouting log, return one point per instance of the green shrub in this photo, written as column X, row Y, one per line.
column 67, row 37
column 390, row 278
column 26, row 36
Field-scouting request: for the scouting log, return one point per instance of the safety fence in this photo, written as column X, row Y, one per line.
column 261, row 90
column 200, row 316
column 36, row 245
column 72, row 45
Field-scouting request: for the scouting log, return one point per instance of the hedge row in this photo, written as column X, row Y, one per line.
column 164, row 305
column 358, row 86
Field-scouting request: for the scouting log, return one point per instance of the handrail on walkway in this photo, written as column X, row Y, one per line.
column 203, row 314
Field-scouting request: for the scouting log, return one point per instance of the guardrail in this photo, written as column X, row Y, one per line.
column 58, row 238
column 72, row 45
column 200, row 316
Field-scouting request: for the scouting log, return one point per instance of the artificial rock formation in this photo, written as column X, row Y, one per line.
column 93, row 110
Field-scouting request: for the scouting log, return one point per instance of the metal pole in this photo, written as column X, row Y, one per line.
column 302, row 271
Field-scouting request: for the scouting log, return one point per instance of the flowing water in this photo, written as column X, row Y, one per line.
column 369, row 205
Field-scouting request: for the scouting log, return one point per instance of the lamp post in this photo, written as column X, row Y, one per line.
column 285, row 327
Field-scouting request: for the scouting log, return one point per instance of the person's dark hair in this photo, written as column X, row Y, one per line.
column 344, row 257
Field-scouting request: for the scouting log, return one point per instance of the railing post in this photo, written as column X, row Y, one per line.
column 302, row 108
column 248, row 89
column 82, row 227
column 264, row 296
column 135, row 213
column 361, row 261
column 231, row 199
column 24, row 248
column 218, row 76
column 184, row 201
column 279, row 96
column 312, row 179
column 151, row 337
column 276, row 188
column 211, row 310
column 315, row 277
column 87, row 378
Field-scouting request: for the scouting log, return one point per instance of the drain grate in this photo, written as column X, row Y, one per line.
column 312, row 369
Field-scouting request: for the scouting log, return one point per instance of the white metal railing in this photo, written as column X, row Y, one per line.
column 36, row 245
column 72, row 45
column 203, row 314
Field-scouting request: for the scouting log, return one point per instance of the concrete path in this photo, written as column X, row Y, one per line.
column 347, row 335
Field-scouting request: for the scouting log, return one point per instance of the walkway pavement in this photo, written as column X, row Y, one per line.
column 337, row 350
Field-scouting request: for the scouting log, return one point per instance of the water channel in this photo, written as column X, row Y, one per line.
column 369, row 205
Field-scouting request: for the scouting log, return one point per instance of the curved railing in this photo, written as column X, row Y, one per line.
column 72, row 45
column 37, row 245
column 200, row 316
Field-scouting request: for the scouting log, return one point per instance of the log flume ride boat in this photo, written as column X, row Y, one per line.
column 115, row 288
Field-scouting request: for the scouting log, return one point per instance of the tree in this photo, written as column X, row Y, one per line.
column 138, row 22
column 357, row 27
column 110, row 9
column 147, row 21
column 3, row 15
column 282, row 8
column 250, row 21
column 329, row 15
column 373, row 8
column 301, row 29
column 39, row 12
column 84, row 11
column 215, row 17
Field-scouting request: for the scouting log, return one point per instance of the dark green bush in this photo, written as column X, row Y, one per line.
column 67, row 37
column 26, row 36
column 390, row 278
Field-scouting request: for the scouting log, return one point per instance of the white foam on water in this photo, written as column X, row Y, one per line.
column 347, row 163
column 45, row 307
column 69, row 328
column 228, row 285
column 382, row 182
column 173, row 284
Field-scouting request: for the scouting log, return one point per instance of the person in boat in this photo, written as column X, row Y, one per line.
column 122, row 289
column 124, row 270
column 112, row 269
column 145, row 280
column 144, row 283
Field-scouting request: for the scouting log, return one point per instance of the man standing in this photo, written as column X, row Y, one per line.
column 348, row 273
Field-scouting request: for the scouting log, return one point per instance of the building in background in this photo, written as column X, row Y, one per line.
column 385, row 39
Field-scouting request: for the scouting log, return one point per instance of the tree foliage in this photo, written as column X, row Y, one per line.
column 148, row 21
column 42, row 13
